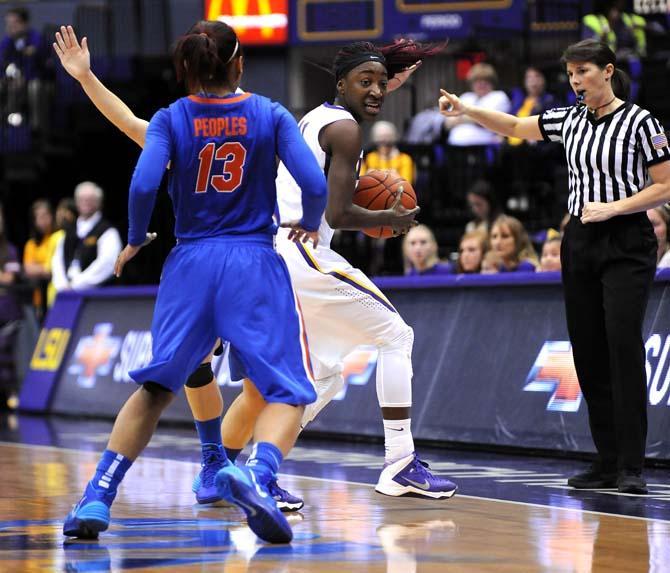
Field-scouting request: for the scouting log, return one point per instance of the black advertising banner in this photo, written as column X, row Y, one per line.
column 492, row 365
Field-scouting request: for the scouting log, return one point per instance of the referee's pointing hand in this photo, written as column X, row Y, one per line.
column 596, row 212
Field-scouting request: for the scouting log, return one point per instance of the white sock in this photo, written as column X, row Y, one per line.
column 398, row 441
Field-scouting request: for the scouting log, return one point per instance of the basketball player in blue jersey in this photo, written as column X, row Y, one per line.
column 223, row 279
column 362, row 314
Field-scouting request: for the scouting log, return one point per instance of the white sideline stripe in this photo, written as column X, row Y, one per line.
column 195, row 464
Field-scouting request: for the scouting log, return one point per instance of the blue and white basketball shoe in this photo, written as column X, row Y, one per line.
column 89, row 516
column 241, row 486
column 285, row 501
column 203, row 484
column 409, row 476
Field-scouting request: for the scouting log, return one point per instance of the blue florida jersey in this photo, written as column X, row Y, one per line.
column 222, row 153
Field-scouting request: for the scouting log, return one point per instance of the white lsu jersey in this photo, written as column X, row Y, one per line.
column 341, row 307
column 289, row 195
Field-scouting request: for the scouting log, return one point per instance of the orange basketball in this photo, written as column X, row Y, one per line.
column 376, row 191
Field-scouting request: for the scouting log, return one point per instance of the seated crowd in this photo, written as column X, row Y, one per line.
column 505, row 249
column 72, row 249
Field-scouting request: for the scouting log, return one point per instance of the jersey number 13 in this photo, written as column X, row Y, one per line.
column 233, row 155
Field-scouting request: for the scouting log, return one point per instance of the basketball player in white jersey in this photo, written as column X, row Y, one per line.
column 341, row 307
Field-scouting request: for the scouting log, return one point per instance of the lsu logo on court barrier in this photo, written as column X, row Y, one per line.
column 554, row 371
column 50, row 349
column 94, row 355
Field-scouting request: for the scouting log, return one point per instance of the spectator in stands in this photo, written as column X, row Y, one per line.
column 464, row 132
column 510, row 240
column 660, row 219
column 471, row 252
column 525, row 170
column 386, row 155
column 420, row 253
column 623, row 32
column 550, row 260
column 425, row 128
column 533, row 100
column 472, row 150
column 482, row 202
column 10, row 315
column 23, row 57
column 491, row 263
column 39, row 251
column 66, row 215
column 22, row 47
column 86, row 254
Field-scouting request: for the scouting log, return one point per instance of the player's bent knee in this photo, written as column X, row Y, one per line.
column 408, row 336
column 202, row 376
column 159, row 396
column 156, row 389
column 401, row 339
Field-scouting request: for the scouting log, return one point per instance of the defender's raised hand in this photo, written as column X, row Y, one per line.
column 74, row 57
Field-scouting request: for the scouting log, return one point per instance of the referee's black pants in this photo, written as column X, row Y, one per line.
column 608, row 269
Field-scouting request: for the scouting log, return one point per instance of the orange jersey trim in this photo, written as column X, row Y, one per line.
column 235, row 99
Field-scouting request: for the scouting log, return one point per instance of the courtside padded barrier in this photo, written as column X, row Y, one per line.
column 492, row 362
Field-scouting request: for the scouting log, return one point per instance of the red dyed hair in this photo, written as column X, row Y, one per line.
column 398, row 56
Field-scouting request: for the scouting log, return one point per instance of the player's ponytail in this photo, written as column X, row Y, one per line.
column 202, row 56
column 405, row 53
column 395, row 57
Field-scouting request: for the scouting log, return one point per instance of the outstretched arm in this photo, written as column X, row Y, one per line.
column 76, row 60
column 497, row 121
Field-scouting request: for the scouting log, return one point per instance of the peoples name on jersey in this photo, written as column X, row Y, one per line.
column 219, row 126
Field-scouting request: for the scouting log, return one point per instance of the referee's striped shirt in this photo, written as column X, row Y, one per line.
column 607, row 157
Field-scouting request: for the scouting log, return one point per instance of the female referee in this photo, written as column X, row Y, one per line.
column 608, row 254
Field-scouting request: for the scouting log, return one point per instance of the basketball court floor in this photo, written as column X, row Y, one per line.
column 511, row 514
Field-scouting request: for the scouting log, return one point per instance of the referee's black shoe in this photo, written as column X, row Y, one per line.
column 594, row 478
column 631, row 481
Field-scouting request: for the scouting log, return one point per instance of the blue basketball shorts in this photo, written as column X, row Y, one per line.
column 237, row 289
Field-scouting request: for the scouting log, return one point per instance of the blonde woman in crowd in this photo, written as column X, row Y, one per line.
column 660, row 217
column 471, row 251
column 419, row 250
column 510, row 241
